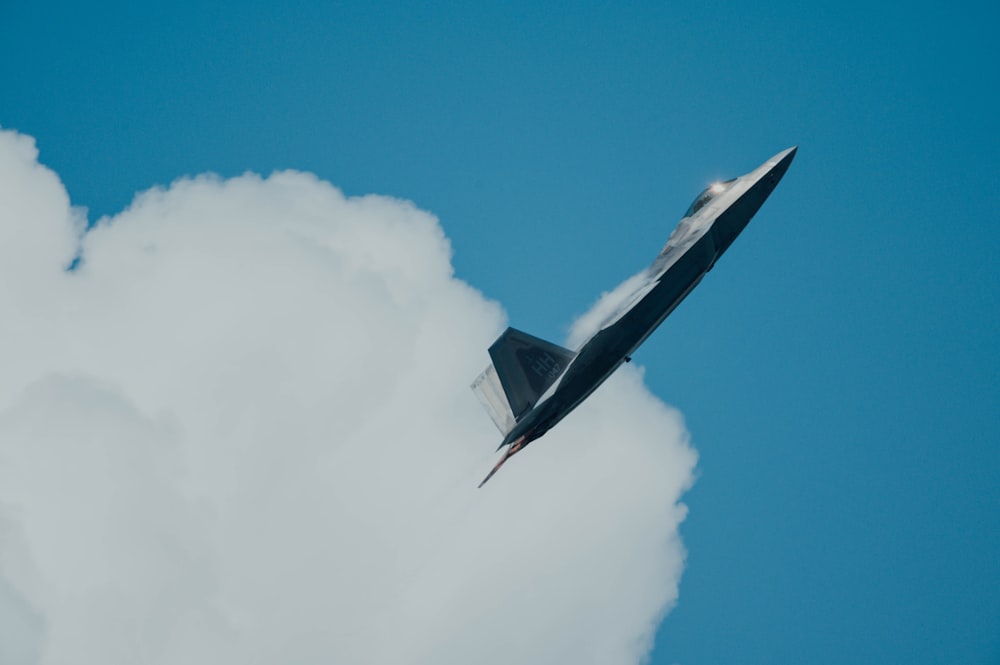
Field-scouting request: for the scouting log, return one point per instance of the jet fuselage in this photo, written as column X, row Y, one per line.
column 714, row 220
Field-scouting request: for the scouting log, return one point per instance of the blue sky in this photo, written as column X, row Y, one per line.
column 838, row 370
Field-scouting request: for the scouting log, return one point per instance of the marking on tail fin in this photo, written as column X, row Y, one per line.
column 526, row 367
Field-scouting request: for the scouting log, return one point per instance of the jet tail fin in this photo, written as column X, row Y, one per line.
column 526, row 367
column 491, row 395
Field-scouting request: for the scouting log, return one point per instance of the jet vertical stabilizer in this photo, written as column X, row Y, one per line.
column 526, row 367
column 490, row 394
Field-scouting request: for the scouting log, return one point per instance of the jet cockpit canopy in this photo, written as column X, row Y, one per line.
column 710, row 193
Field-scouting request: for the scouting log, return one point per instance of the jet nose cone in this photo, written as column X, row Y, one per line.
column 782, row 161
column 785, row 157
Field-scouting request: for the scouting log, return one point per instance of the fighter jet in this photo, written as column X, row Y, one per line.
column 532, row 384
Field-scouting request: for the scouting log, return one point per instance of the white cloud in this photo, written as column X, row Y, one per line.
column 241, row 432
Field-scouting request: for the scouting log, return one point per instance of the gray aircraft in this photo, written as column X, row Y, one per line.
column 532, row 384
